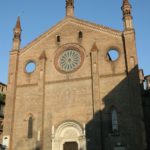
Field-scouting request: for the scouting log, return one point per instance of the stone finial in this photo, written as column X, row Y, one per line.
column 70, row 8
column 127, row 17
column 17, row 29
column 126, row 8
column 17, row 35
column 69, row 3
column 126, row 2
column 18, row 24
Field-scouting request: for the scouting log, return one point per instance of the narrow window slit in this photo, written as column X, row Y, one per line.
column 80, row 35
column 58, row 38
column 114, row 119
column 30, row 127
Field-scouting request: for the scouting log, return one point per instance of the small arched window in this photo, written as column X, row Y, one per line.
column 114, row 120
column 80, row 34
column 1, row 125
column 2, row 88
column 58, row 38
column 30, row 127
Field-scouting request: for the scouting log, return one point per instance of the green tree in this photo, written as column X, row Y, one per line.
column 2, row 98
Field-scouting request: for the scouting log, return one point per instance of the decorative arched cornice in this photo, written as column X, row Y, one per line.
column 67, row 124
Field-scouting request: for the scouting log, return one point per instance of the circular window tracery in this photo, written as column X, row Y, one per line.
column 30, row 67
column 69, row 58
column 112, row 54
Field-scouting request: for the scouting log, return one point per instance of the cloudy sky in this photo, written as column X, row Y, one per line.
column 37, row 16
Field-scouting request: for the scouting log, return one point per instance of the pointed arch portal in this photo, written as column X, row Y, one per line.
column 69, row 136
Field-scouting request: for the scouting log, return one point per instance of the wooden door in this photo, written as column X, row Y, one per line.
column 70, row 146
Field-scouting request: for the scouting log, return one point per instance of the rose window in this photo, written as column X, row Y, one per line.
column 69, row 60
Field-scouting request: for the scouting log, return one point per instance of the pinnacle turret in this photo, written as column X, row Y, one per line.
column 127, row 17
column 126, row 2
column 18, row 24
column 17, row 29
column 70, row 8
column 17, row 35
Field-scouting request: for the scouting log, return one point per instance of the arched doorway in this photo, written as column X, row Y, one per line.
column 69, row 136
column 70, row 146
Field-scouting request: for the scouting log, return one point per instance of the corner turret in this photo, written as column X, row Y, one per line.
column 17, row 35
column 70, row 8
column 127, row 17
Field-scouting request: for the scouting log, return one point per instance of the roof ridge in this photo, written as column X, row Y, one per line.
column 79, row 21
column 99, row 25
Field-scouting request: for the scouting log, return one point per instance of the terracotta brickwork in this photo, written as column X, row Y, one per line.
column 75, row 105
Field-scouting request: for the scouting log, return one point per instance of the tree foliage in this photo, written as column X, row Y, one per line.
column 2, row 98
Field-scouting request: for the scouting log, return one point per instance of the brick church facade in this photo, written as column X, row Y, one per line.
column 66, row 91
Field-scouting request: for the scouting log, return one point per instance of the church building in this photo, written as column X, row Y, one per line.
column 75, row 87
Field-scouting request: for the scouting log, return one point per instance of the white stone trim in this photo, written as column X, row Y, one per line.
column 69, row 132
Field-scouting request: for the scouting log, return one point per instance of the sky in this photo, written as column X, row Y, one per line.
column 38, row 16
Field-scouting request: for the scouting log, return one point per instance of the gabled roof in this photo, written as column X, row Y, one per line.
column 75, row 21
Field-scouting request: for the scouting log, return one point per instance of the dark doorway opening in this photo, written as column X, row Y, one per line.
column 70, row 146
